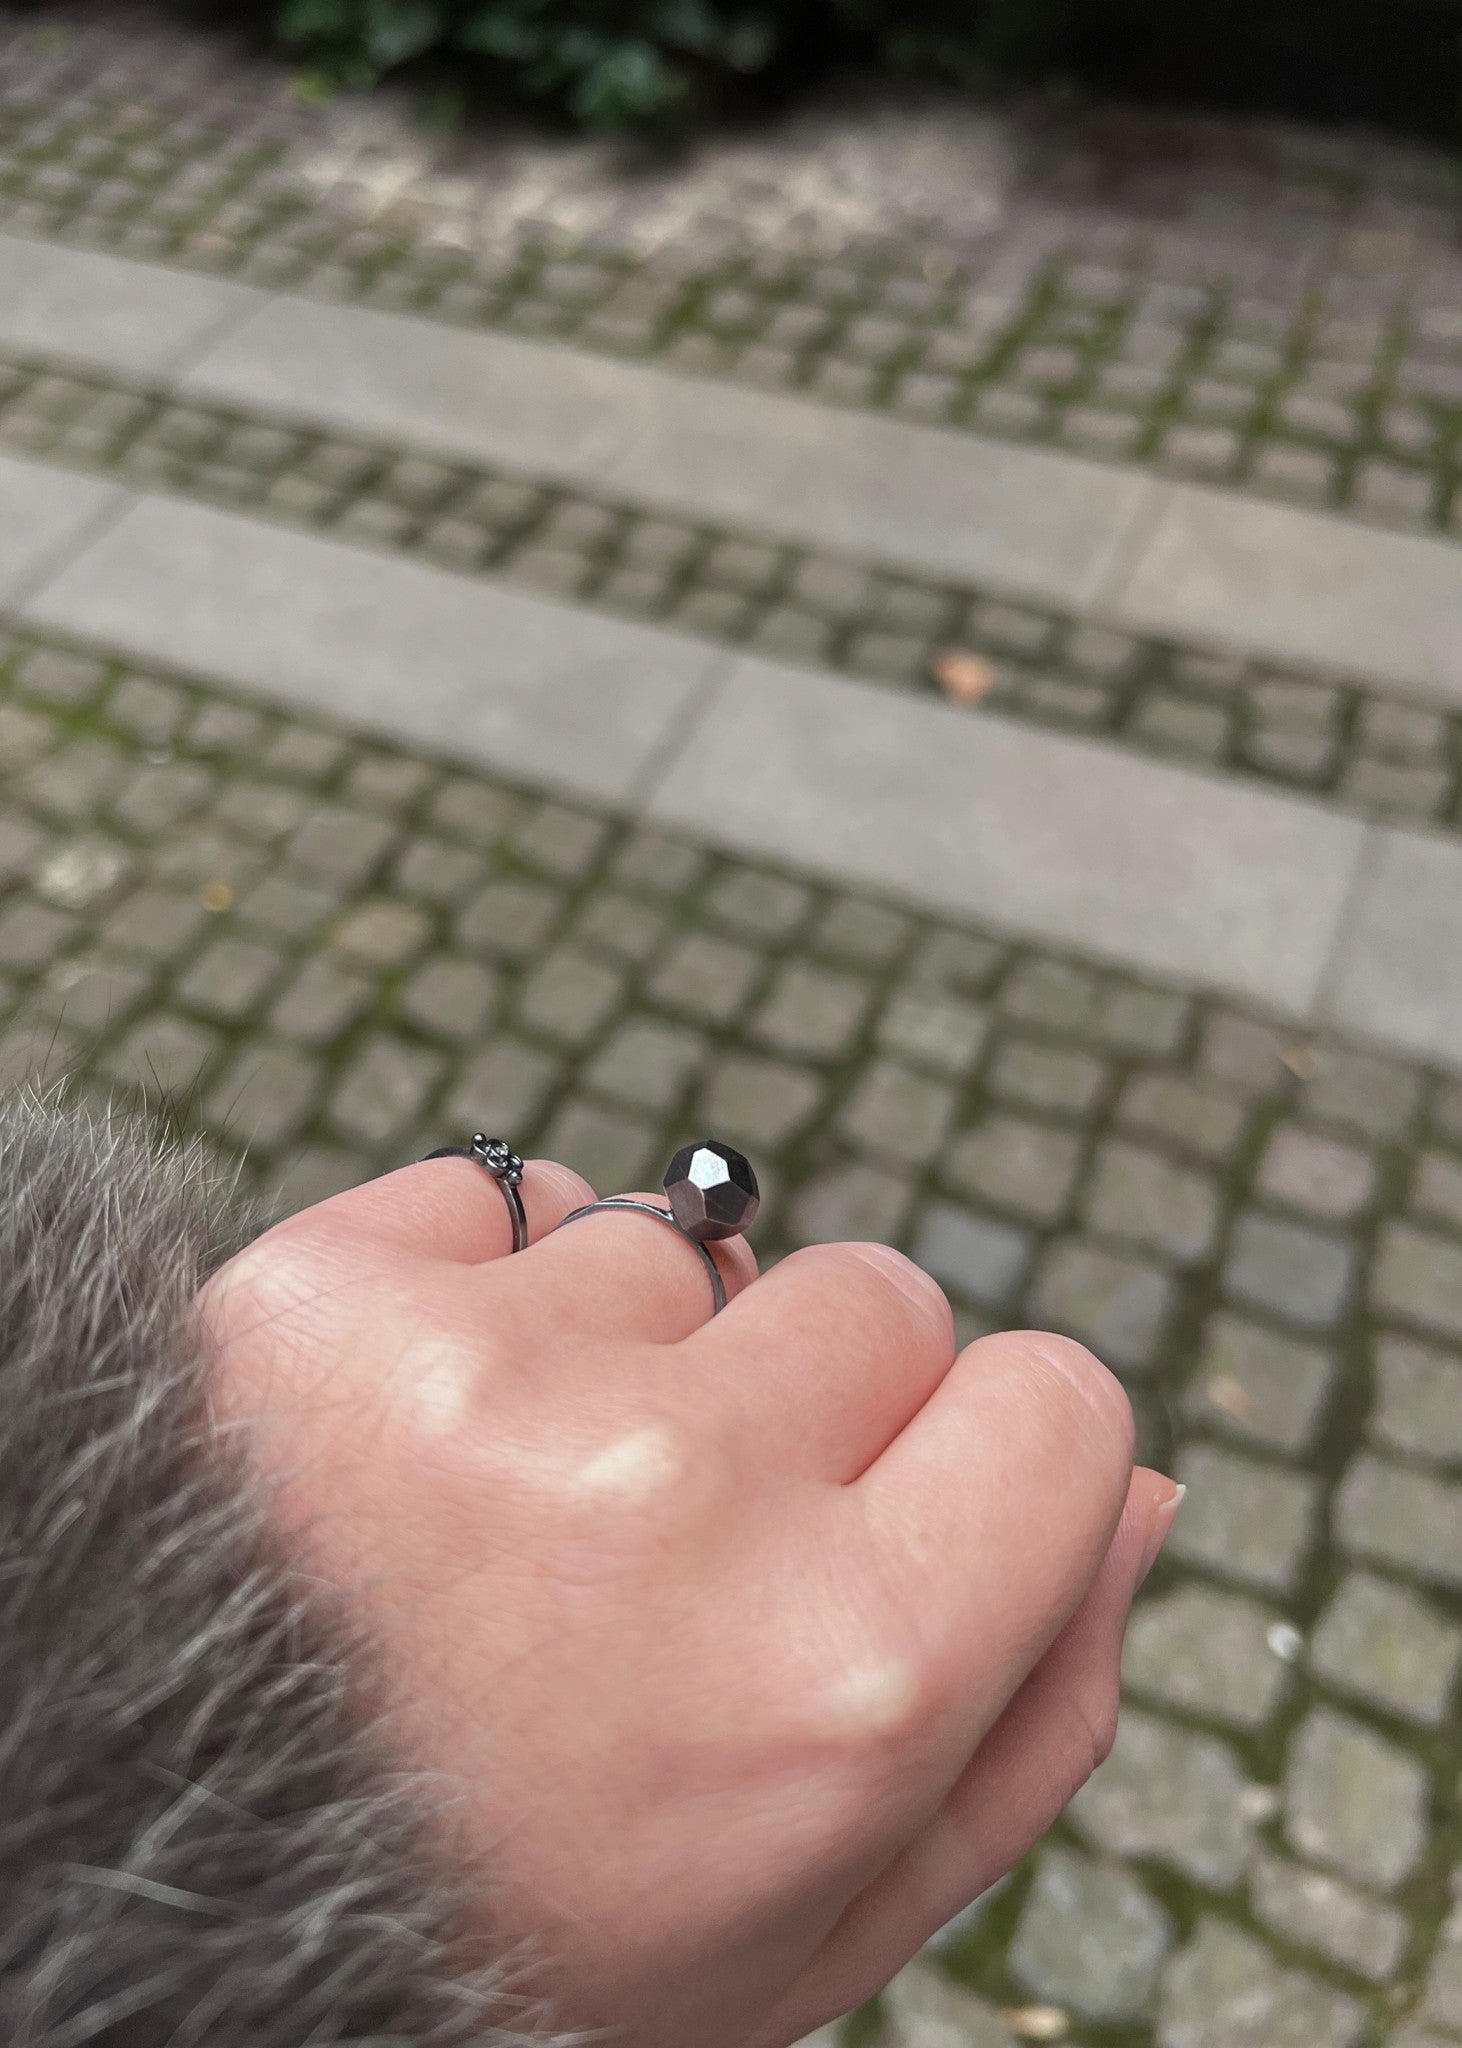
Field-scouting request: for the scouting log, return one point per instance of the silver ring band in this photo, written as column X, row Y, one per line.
column 718, row 1285
column 501, row 1164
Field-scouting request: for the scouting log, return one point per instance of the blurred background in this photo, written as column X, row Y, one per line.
column 880, row 583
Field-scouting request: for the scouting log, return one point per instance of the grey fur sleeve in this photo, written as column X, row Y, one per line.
column 197, row 1846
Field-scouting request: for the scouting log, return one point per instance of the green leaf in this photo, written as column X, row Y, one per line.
column 314, row 88
column 398, row 30
column 631, row 84
column 319, row 21
column 514, row 33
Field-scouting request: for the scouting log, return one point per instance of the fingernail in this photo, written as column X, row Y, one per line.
column 1159, row 1527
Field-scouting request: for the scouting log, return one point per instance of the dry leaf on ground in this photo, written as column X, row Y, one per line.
column 1300, row 1059
column 1233, row 1398
column 1036, row 2022
column 963, row 677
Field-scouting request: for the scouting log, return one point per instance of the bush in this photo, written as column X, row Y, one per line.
column 623, row 63
column 665, row 63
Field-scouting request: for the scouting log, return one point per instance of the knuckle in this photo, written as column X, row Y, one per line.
column 869, row 1277
column 882, row 1695
column 559, row 1183
column 273, row 1283
column 1093, row 1396
column 649, row 1466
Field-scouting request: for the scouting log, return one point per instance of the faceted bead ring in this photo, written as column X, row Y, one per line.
column 501, row 1163
column 712, row 1193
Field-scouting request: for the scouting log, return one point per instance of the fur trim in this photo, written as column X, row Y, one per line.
column 197, row 1845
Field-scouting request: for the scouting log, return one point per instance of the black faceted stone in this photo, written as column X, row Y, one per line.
column 712, row 1189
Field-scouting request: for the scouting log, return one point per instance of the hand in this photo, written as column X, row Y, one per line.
column 757, row 1646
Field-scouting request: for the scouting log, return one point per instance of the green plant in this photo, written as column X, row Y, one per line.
column 635, row 63
column 609, row 63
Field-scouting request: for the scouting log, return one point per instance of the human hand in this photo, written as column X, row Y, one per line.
column 755, row 1646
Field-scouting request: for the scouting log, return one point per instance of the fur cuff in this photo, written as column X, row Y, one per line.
column 197, row 1845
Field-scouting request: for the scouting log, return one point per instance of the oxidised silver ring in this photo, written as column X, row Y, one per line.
column 500, row 1163
column 712, row 1193
column 718, row 1285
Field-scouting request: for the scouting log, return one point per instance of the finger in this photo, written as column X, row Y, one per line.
column 448, row 1209
column 619, row 1273
column 825, row 1360
column 1052, row 1735
column 1023, row 1455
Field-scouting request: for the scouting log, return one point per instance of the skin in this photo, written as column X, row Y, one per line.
column 750, row 1649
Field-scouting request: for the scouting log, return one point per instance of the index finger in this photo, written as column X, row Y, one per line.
column 991, row 1512
column 445, row 1208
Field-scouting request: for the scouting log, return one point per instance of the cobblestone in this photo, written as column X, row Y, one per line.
column 450, row 999
column 266, row 1097
column 1318, row 1175
column 1419, row 1278
column 161, row 1053
column 1383, row 1644
column 1172, row 1796
column 1116, row 1305
column 760, row 1102
column 229, row 979
column 896, row 1114
column 1198, row 1119
column 570, row 995
column 1225, row 1991
column 1253, row 1382
column 382, row 933
column 646, row 1064
column 859, row 1201
column 1027, row 1167
column 1142, row 1197
column 320, row 1003
column 1345, row 1926
column 1354, row 1801
column 1090, row 1939
column 1244, row 1520
column 1394, row 1515
column 1418, row 1399
column 813, row 1011
column 924, row 2008
column 1302, row 1275
column 1208, row 1653
column 933, row 1031
column 1354, row 1092
column 974, row 1258
column 1443, row 1999
column 610, row 1150
column 709, row 979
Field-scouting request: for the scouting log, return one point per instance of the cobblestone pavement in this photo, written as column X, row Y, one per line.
column 338, row 956
column 1238, row 302
column 1377, row 753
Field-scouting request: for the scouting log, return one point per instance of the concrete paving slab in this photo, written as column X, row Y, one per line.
column 107, row 313
column 539, row 690
column 1397, row 975
column 43, row 513
column 1214, row 883
column 1279, row 582
column 941, row 504
column 453, row 392
column 1299, row 586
